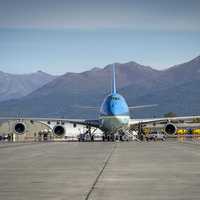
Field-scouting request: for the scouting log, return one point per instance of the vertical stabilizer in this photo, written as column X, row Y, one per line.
column 113, row 79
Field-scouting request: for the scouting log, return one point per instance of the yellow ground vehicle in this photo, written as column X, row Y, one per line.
column 181, row 132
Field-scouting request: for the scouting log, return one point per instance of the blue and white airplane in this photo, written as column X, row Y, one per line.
column 114, row 111
column 114, row 117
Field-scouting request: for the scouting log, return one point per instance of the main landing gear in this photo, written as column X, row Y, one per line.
column 109, row 138
column 88, row 136
column 115, row 137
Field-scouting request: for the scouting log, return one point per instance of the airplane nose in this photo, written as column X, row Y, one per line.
column 114, row 109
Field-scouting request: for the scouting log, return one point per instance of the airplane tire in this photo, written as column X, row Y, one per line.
column 113, row 138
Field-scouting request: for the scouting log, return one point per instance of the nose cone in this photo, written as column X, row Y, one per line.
column 114, row 112
column 114, row 108
column 114, row 105
column 118, row 105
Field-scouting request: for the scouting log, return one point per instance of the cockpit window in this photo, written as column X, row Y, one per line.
column 115, row 98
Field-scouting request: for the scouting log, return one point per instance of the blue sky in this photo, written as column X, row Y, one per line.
column 61, row 36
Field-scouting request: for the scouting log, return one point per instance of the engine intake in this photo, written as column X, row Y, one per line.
column 170, row 129
column 19, row 128
column 59, row 130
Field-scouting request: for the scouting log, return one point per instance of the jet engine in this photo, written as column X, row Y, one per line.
column 19, row 128
column 59, row 130
column 170, row 129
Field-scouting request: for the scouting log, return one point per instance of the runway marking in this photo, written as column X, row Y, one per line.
column 101, row 172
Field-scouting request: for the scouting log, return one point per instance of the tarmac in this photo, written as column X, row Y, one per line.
column 100, row 171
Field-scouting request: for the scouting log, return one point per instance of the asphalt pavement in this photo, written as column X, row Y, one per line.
column 100, row 171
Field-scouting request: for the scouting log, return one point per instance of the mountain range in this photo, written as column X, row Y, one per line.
column 174, row 89
column 14, row 86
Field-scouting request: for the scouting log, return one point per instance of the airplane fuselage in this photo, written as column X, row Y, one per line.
column 114, row 113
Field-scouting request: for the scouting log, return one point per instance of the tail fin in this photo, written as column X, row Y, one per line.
column 113, row 80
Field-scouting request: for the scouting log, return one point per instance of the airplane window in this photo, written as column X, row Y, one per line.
column 115, row 98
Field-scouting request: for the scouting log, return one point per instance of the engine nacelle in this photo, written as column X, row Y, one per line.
column 19, row 128
column 170, row 129
column 59, row 130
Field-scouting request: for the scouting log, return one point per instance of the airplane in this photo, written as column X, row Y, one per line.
column 114, row 118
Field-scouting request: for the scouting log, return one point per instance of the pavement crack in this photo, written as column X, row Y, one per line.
column 101, row 172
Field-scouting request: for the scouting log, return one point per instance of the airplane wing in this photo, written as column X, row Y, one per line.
column 143, row 106
column 164, row 119
column 130, row 107
column 86, row 107
column 170, row 126
column 87, row 122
